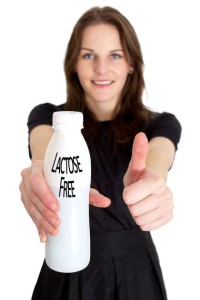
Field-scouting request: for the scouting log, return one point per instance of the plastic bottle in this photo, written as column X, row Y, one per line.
column 67, row 169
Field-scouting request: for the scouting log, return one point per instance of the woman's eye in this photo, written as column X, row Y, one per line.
column 88, row 56
column 116, row 56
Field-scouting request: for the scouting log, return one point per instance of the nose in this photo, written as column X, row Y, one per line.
column 100, row 66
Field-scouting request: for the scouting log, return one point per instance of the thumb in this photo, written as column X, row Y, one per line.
column 97, row 199
column 137, row 164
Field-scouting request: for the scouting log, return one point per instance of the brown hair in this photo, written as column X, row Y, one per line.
column 132, row 113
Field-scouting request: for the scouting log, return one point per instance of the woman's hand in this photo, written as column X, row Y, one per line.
column 40, row 202
column 149, row 200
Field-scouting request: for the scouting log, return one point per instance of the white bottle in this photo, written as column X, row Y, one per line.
column 67, row 169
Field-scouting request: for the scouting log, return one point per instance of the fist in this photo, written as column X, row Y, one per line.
column 149, row 200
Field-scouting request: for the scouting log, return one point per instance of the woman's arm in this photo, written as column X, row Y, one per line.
column 146, row 194
column 160, row 156
column 39, row 140
column 39, row 201
column 36, row 195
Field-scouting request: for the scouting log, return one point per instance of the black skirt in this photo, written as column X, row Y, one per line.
column 124, row 266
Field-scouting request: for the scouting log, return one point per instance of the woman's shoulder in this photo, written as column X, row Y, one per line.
column 163, row 118
column 46, row 107
column 164, row 124
column 42, row 113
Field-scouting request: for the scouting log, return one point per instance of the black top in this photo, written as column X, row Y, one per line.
column 108, row 170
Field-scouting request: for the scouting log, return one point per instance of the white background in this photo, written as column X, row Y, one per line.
column 33, row 39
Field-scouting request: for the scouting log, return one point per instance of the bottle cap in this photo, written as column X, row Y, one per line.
column 73, row 118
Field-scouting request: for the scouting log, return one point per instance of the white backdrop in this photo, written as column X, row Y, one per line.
column 33, row 39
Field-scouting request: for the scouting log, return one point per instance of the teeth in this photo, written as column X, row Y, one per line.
column 103, row 82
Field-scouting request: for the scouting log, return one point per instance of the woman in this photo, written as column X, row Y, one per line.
column 131, row 148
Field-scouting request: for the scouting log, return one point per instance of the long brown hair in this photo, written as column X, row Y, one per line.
column 132, row 113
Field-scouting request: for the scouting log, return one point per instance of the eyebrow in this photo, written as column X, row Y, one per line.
column 117, row 50
column 88, row 49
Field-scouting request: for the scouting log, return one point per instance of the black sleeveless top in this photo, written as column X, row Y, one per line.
column 108, row 169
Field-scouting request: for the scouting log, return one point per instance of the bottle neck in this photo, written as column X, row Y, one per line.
column 67, row 119
column 67, row 128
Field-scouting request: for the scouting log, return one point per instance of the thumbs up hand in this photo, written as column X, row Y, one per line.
column 148, row 198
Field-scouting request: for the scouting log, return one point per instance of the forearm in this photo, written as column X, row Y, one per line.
column 160, row 156
column 39, row 140
column 148, row 198
column 38, row 152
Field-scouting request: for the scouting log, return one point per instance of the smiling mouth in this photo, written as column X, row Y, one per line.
column 102, row 82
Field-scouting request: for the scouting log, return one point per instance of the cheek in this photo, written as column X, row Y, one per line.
column 123, row 71
column 82, row 72
column 79, row 68
column 123, row 77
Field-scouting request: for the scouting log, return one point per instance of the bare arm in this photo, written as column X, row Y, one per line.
column 36, row 195
column 160, row 156
column 146, row 194
column 39, row 140
column 39, row 201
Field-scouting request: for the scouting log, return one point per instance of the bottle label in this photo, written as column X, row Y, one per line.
column 66, row 166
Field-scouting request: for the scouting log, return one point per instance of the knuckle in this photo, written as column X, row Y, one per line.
column 145, row 228
column 34, row 180
column 21, row 187
column 169, row 200
column 168, row 218
column 45, row 212
column 138, row 221
column 43, row 224
column 32, row 195
column 170, row 194
column 134, row 212
column 25, row 172
column 22, row 199
column 31, row 209
column 126, row 196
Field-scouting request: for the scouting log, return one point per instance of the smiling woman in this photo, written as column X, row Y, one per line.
column 120, row 36
column 131, row 148
column 102, row 71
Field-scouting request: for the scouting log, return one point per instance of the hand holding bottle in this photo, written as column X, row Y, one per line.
column 41, row 204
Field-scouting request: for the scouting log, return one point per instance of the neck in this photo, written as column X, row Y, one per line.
column 102, row 112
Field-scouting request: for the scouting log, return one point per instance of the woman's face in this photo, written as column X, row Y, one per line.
column 102, row 68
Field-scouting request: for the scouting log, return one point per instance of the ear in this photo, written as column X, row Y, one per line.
column 131, row 70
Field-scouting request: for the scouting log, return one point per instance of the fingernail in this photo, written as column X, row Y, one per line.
column 53, row 231
column 53, row 207
column 54, row 222
column 42, row 239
